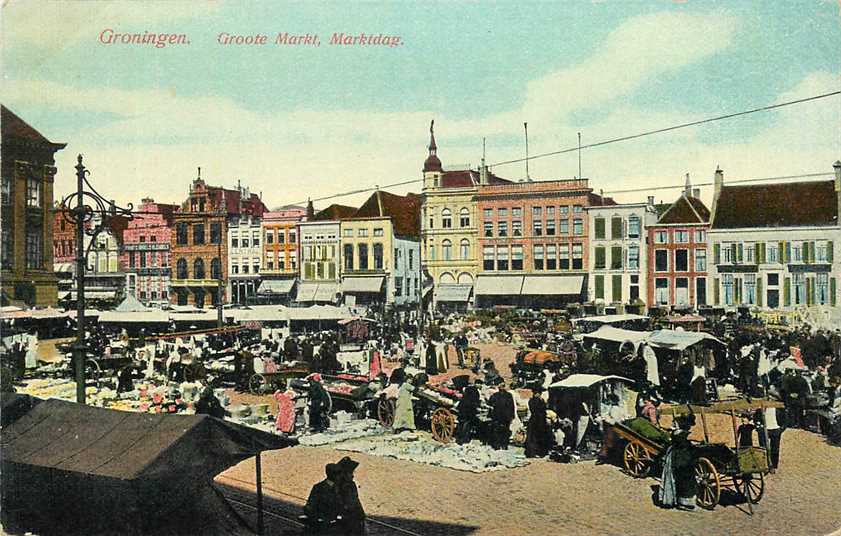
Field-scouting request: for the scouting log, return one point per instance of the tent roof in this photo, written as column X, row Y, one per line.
column 131, row 305
column 609, row 319
column 679, row 340
column 610, row 333
column 586, row 380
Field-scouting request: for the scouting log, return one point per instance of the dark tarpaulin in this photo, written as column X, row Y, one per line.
column 70, row 468
column 14, row 406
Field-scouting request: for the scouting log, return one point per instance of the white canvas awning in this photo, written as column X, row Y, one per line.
column 610, row 319
column 352, row 285
column 586, row 380
column 612, row 334
column 453, row 293
column 91, row 294
column 134, row 316
column 317, row 312
column 499, row 285
column 276, row 286
column 63, row 267
column 306, row 292
column 679, row 340
column 554, row 285
column 326, row 292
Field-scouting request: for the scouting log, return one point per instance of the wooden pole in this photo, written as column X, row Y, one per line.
column 704, row 423
column 735, row 428
column 259, row 470
column 767, row 442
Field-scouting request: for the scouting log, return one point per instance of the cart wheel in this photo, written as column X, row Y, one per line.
column 752, row 486
column 92, row 370
column 443, row 425
column 329, row 403
column 637, row 460
column 709, row 484
column 385, row 412
column 258, row 384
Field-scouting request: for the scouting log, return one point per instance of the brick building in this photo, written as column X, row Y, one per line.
column 677, row 253
column 26, row 252
column 280, row 253
column 146, row 252
column 199, row 244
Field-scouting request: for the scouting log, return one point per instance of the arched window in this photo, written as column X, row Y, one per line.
column 446, row 250
column 464, row 217
column 465, row 279
column 446, row 218
column 216, row 269
column 464, row 249
column 447, row 279
column 181, row 269
column 198, row 269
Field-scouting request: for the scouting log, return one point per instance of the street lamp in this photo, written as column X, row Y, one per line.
column 80, row 215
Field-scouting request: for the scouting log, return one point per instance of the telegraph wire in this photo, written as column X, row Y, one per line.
column 738, row 181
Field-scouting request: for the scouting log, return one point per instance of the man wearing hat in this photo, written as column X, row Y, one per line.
column 324, row 506
column 353, row 515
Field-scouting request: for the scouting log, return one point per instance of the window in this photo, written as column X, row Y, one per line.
column 348, row 255
column 446, row 250
column 537, row 212
column 599, row 228
column 796, row 249
column 396, row 259
column 633, row 258
column 141, row 239
column 616, row 228
column 578, row 227
column 198, row 269
column 681, row 237
column 198, row 234
column 750, row 289
column 822, row 289
column 234, row 241
column 661, row 237
column 728, row 250
column 502, row 258
column 347, row 232
column 682, row 291
column 153, row 238
column 33, row 192
column 489, row 228
column 378, row 256
column 727, row 284
column 550, row 227
column 634, row 288
column 398, row 286
column 700, row 260
column 701, row 291
column 634, row 226
column 563, row 256
column 616, row 258
column 517, row 228
column 7, row 246
column 551, row 257
column 538, row 257
column 600, row 261
column 464, row 217
column 432, row 254
column 181, row 268
column 502, row 228
column 216, row 268
column 244, row 241
column 750, row 249
column 599, row 287
column 564, row 227
column 363, row 256
column 234, row 267
column 517, row 212
column 34, row 249
column 199, row 297
column 821, row 252
column 269, row 265
column 446, row 219
column 7, row 194
column 181, row 296
column 681, row 260
column 269, row 237
column 550, row 213
column 661, row 291
column 362, row 233
column 799, row 289
column 215, row 233
column 538, row 227
column 502, row 213
column 143, row 259
column 464, row 250
column 255, row 239
column 378, row 231
column 617, row 288
column 564, row 210
column 516, row 257
column 131, row 259
column 577, row 256
column 411, row 259
column 661, row 260
column 488, row 258
column 700, row 236
column 293, row 237
column 488, row 213
column 181, row 234
column 577, row 209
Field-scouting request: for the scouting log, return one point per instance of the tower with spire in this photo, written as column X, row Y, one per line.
column 432, row 165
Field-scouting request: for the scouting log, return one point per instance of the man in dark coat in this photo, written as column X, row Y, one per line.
column 318, row 402
column 290, row 349
column 324, row 505
column 306, row 351
column 468, row 415
column 502, row 413
column 208, row 404
column 537, row 432
column 353, row 515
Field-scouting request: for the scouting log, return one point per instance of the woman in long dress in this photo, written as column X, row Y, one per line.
column 404, row 412
column 678, row 485
column 285, row 421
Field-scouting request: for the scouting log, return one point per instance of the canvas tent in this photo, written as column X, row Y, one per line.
column 69, row 468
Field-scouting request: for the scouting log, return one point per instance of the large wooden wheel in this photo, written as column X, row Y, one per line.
column 709, row 484
column 258, row 384
column 443, row 425
column 385, row 411
column 752, row 486
column 637, row 460
column 92, row 371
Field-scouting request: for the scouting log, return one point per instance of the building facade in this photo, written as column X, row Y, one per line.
column 320, row 260
column 678, row 254
column 146, row 252
column 281, row 254
column 245, row 257
column 618, row 271
column 772, row 246
column 26, row 254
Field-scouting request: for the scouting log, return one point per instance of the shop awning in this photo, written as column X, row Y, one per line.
column 679, row 340
column 362, row 284
column 63, row 267
column 555, row 285
column 134, row 316
column 91, row 294
column 453, row 293
column 326, row 292
column 499, row 285
column 276, row 286
column 306, row 292
column 612, row 334
column 586, row 380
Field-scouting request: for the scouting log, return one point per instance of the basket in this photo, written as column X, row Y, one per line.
column 752, row 460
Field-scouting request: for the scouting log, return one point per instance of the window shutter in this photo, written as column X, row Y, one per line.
column 759, row 291
column 807, row 259
column 812, row 252
column 737, row 286
column 733, row 252
column 787, row 291
column 599, row 287
column 717, row 254
column 760, row 253
column 782, row 253
column 741, row 251
column 788, row 251
column 829, row 251
column 832, row 299
column 716, row 290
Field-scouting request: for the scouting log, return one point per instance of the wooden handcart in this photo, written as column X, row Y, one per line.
column 431, row 406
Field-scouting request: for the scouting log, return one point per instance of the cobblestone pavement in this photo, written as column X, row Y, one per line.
column 803, row 497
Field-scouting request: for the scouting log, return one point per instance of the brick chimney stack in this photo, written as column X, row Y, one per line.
column 718, row 183
column 310, row 210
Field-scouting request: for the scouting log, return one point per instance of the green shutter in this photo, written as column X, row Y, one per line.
column 717, row 253
column 600, row 287
column 741, row 252
column 600, row 257
column 829, row 251
column 737, row 289
column 788, row 252
column 812, row 252
column 787, row 292
column 832, row 291
column 617, row 288
column 716, row 291
column 616, row 228
column 810, row 288
column 733, row 254
column 807, row 259
column 782, row 253
column 761, row 253
column 599, row 231
column 616, row 258
column 759, row 291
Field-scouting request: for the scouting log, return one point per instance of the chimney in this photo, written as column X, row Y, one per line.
column 310, row 210
column 696, row 193
column 651, row 200
column 687, row 187
column 483, row 173
column 718, row 183
column 601, row 196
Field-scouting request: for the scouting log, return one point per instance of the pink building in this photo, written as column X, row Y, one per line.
column 146, row 252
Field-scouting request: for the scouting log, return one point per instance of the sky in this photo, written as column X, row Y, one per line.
column 299, row 122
